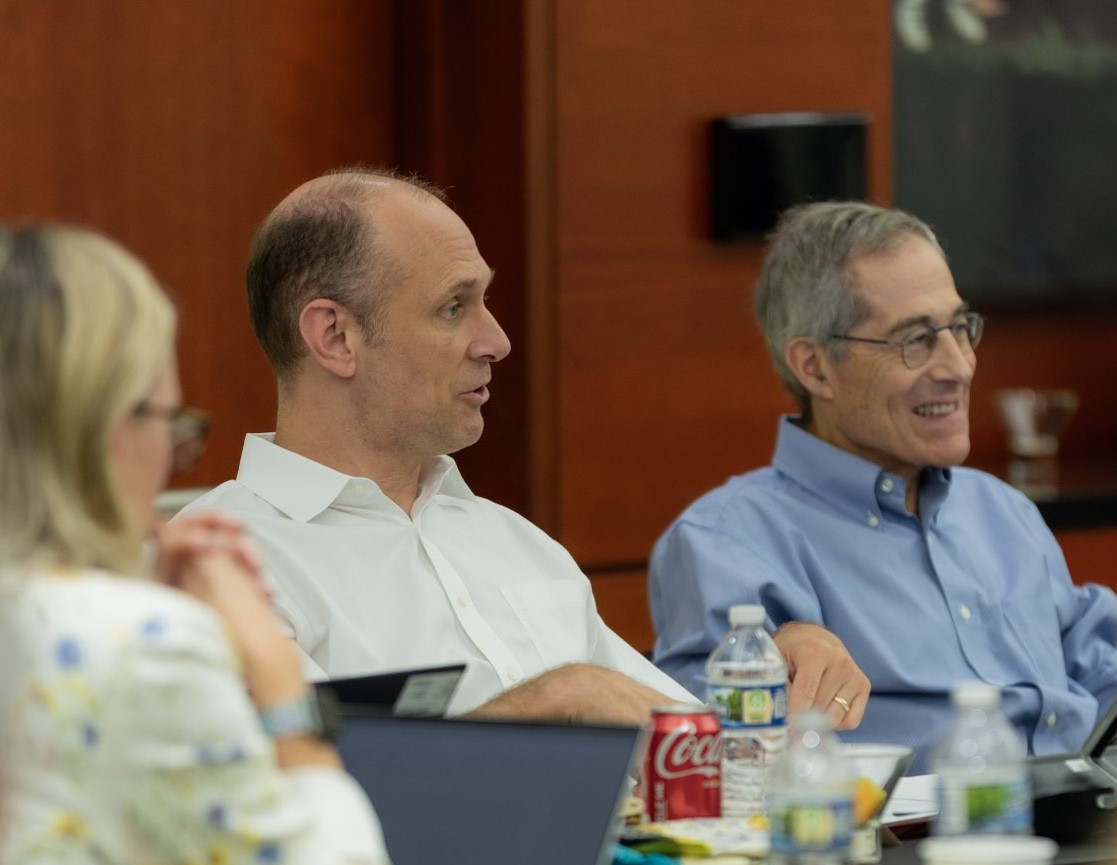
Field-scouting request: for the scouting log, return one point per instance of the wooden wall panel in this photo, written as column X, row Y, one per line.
column 1090, row 555
column 664, row 386
column 572, row 135
column 461, row 125
column 174, row 127
column 620, row 598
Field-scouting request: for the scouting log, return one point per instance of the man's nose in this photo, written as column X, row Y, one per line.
column 952, row 359
column 492, row 343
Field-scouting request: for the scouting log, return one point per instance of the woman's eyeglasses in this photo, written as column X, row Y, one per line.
column 189, row 428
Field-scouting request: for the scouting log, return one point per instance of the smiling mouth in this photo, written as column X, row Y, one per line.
column 936, row 409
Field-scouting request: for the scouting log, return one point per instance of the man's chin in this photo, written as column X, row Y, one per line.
column 467, row 439
column 948, row 457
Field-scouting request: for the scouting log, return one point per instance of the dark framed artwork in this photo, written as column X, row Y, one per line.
column 1005, row 141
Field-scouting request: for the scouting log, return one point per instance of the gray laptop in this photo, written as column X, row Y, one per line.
column 1074, row 793
column 477, row 793
column 1094, row 766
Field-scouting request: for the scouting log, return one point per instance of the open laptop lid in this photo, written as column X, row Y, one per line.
column 1101, row 744
column 422, row 692
column 1073, row 791
column 477, row 793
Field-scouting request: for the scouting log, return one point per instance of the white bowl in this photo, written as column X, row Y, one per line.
column 987, row 850
column 884, row 765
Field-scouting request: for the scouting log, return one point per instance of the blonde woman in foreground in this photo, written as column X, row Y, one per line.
column 144, row 675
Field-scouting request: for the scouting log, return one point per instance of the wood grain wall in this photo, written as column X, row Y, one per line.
column 572, row 137
column 174, row 127
column 664, row 386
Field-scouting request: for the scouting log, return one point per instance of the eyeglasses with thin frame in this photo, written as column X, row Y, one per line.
column 189, row 428
column 917, row 347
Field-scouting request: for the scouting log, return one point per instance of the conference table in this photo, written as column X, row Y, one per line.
column 1069, row 854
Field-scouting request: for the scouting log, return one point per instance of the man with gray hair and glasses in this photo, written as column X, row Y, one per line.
column 927, row 572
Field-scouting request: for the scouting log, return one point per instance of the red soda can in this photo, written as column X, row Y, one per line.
column 682, row 767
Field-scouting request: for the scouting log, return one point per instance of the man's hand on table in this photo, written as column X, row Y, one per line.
column 575, row 694
column 822, row 674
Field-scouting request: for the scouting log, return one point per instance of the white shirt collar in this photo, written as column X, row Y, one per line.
column 302, row 488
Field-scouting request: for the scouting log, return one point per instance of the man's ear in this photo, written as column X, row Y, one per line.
column 328, row 331
column 810, row 366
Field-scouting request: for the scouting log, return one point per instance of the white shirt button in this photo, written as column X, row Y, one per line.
column 874, row 521
column 513, row 676
column 964, row 612
column 886, row 485
column 462, row 601
column 1052, row 719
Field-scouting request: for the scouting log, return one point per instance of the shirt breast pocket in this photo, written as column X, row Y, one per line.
column 556, row 617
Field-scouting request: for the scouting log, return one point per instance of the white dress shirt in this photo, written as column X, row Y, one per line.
column 365, row 588
column 130, row 739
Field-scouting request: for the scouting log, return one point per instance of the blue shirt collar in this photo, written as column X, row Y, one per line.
column 848, row 482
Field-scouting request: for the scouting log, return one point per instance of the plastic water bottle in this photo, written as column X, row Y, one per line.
column 984, row 786
column 810, row 797
column 746, row 682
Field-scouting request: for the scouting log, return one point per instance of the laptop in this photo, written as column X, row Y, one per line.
column 1075, row 793
column 491, row 793
column 422, row 692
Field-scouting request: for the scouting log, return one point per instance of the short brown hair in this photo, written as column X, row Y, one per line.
column 321, row 245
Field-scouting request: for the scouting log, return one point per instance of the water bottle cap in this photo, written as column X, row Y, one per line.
column 978, row 695
column 746, row 614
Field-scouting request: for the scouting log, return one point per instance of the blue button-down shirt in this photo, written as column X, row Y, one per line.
column 974, row 587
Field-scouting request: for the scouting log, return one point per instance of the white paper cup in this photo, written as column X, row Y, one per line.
column 988, row 850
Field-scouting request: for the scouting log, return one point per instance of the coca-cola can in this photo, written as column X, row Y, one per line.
column 682, row 767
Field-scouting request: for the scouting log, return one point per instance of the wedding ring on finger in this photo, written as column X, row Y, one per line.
column 841, row 701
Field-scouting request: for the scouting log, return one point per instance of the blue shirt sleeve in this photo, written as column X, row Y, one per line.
column 695, row 575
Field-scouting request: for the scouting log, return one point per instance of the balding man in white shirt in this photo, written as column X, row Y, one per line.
column 367, row 293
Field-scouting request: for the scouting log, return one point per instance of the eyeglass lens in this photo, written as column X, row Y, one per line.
column 917, row 349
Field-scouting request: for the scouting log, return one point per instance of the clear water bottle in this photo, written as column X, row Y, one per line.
column 746, row 684
column 984, row 786
column 810, row 796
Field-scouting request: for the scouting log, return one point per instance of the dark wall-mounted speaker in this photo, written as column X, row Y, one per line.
column 761, row 164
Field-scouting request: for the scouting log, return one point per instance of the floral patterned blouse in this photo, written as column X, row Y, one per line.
column 132, row 740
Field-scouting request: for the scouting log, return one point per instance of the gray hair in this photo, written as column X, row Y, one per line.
column 806, row 286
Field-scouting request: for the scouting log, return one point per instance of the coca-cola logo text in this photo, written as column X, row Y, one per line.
column 682, row 752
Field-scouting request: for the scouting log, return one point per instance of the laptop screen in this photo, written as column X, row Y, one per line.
column 418, row 692
column 476, row 793
column 1102, row 744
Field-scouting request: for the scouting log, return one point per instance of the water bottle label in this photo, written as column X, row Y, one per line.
column 995, row 807
column 758, row 706
column 817, row 826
